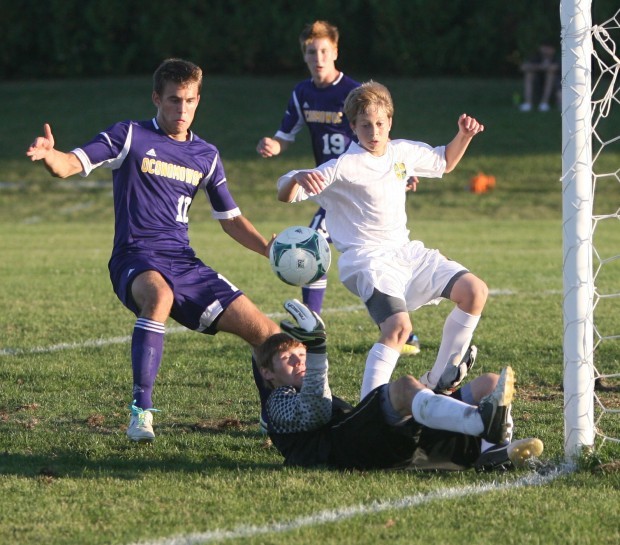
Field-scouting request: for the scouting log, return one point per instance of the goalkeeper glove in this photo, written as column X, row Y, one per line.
column 309, row 330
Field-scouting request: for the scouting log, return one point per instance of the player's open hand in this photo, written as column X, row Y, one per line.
column 42, row 145
column 469, row 126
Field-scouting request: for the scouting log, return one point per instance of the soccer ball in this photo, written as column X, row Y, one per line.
column 299, row 256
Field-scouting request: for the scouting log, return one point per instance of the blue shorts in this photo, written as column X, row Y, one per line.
column 200, row 293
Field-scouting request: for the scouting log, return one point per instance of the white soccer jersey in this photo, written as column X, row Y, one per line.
column 365, row 195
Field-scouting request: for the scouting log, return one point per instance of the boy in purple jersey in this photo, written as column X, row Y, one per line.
column 318, row 103
column 158, row 167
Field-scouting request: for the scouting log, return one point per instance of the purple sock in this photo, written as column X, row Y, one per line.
column 147, row 346
column 313, row 296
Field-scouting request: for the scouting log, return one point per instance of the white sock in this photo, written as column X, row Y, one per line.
column 380, row 364
column 446, row 413
column 457, row 334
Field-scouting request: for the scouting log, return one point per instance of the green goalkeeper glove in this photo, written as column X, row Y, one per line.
column 309, row 330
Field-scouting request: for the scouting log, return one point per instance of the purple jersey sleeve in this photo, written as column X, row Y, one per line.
column 321, row 109
column 155, row 179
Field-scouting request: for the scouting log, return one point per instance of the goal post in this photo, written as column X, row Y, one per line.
column 590, row 229
column 577, row 208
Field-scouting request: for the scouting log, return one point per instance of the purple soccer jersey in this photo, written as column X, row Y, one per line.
column 155, row 179
column 320, row 108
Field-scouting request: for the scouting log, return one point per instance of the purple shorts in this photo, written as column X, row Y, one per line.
column 200, row 293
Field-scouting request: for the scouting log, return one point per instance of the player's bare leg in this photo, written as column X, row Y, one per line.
column 244, row 319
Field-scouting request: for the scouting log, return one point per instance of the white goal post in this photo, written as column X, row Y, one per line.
column 585, row 104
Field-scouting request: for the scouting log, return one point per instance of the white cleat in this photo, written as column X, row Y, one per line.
column 141, row 425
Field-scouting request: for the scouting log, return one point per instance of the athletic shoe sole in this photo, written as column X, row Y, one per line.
column 522, row 452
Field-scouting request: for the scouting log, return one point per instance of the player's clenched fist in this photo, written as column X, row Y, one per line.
column 469, row 126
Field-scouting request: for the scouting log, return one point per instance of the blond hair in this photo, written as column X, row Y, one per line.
column 317, row 30
column 370, row 94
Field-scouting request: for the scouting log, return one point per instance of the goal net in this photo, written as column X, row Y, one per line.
column 591, row 229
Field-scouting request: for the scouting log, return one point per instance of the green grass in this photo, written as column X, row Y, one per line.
column 69, row 476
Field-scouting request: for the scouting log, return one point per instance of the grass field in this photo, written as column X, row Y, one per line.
column 68, row 475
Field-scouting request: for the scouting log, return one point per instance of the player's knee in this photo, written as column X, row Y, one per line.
column 402, row 392
column 471, row 294
column 397, row 328
column 483, row 385
column 480, row 291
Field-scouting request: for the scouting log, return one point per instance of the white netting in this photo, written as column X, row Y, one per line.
column 591, row 227
column 606, row 227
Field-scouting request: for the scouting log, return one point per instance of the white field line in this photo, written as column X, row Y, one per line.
column 95, row 343
column 345, row 513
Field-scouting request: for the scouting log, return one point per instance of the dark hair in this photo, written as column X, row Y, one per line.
column 177, row 71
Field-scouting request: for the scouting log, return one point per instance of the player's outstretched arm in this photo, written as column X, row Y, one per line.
column 243, row 231
column 58, row 163
column 468, row 128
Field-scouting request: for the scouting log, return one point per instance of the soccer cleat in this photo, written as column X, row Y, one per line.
column 411, row 347
column 141, row 424
column 525, row 107
column 494, row 408
column 543, row 107
column 309, row 330
column 454, row 373
column 523, row 452
column 518, row 454
column 494, row 458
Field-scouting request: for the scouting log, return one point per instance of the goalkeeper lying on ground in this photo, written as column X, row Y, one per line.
column 397, row 425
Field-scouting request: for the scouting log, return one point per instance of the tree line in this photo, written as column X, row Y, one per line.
column 89, row 38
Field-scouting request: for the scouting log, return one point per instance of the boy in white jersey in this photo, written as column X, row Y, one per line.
column 363, row 192
column 158, row 166
column 318, row 103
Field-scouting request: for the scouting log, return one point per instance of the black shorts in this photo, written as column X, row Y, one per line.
column 362, row 439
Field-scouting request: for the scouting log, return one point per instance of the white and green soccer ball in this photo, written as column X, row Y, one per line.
column 299, row 255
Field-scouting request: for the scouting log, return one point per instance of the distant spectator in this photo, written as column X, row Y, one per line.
column 541, row 78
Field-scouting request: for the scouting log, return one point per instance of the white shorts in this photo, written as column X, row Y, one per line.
column 411, row 272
